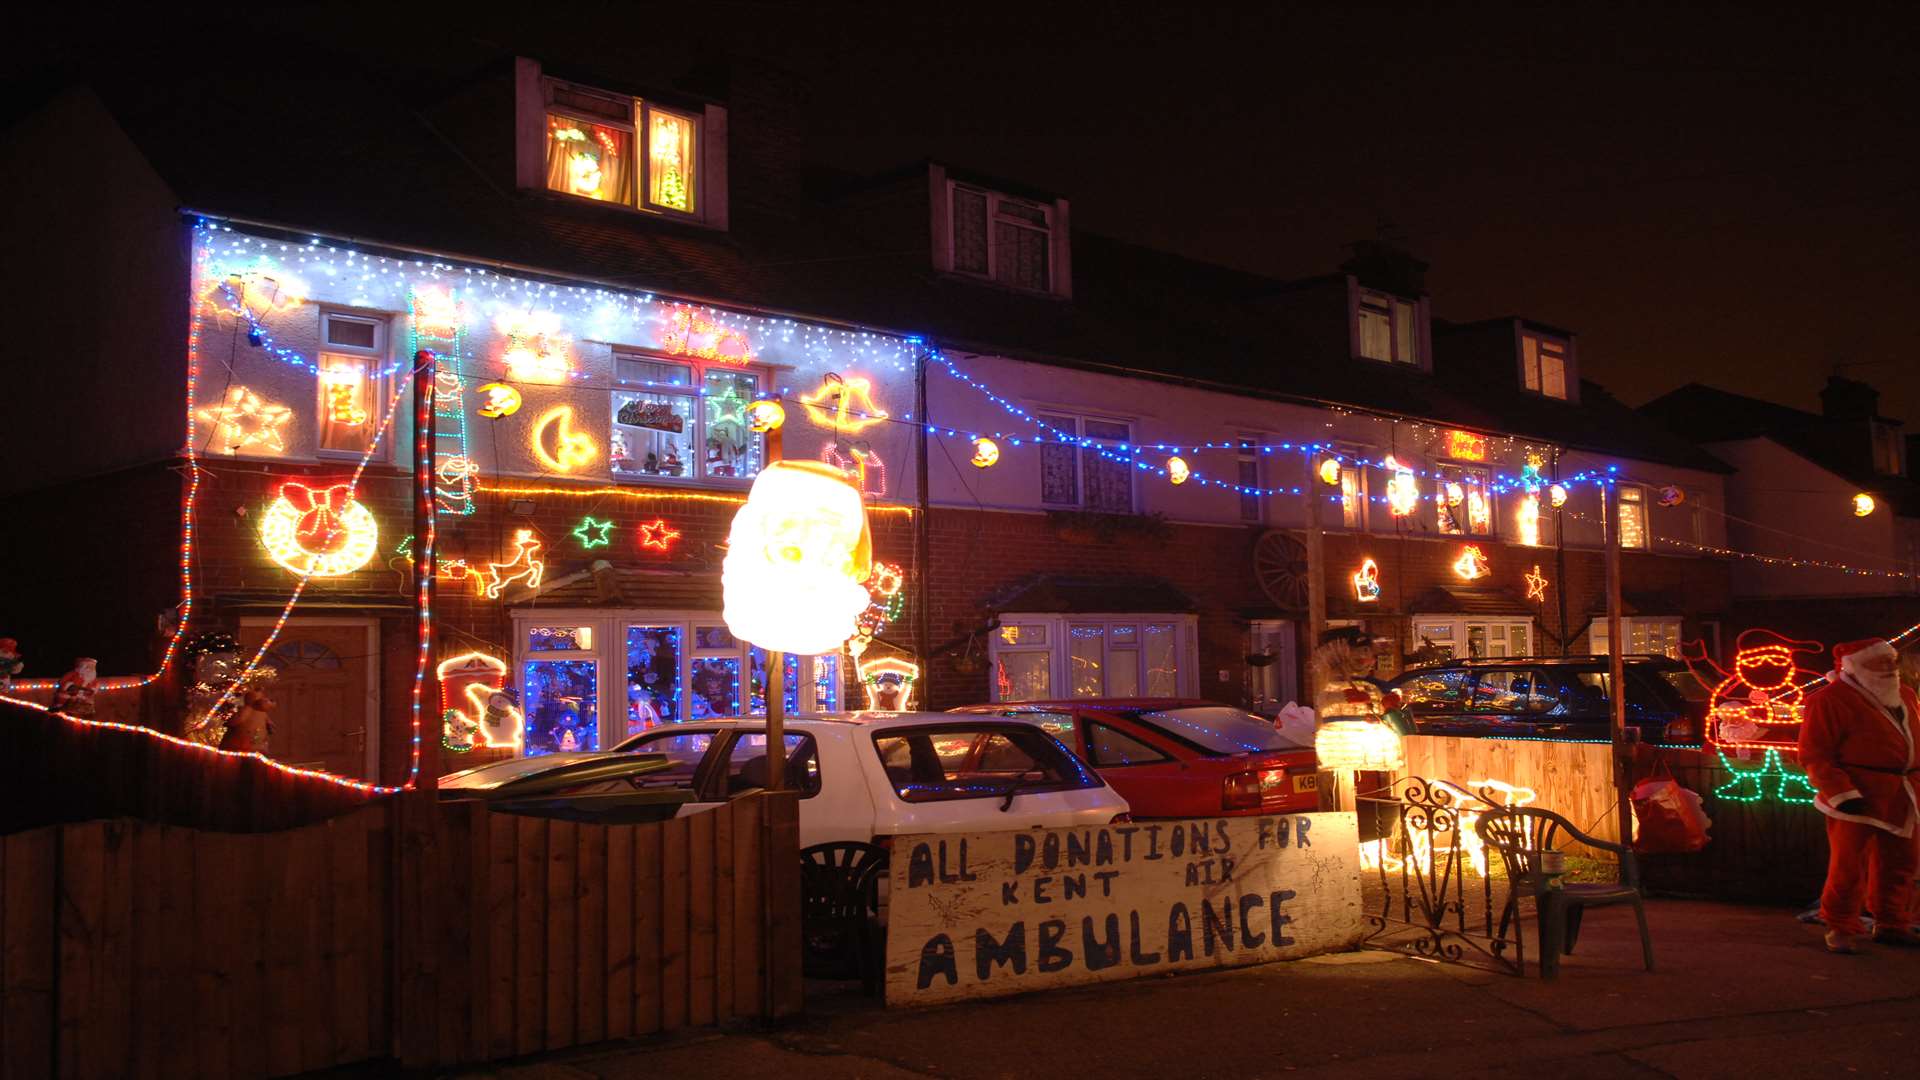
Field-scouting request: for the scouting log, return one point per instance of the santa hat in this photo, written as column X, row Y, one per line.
column 1864, row 649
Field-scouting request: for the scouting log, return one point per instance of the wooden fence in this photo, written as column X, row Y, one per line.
column 405, row 930
column 1569, row 778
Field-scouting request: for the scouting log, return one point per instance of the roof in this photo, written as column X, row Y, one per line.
column 1093, row 595
column 328, row 144
column 1468, row 601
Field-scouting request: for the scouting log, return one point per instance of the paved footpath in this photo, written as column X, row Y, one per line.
column 1740, row 992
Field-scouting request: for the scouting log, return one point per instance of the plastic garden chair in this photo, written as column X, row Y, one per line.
column 1523, row 835
column 840, row 910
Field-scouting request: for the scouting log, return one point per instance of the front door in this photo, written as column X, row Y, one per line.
column 324, row 693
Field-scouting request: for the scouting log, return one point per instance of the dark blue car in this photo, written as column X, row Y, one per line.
column 1553, row 697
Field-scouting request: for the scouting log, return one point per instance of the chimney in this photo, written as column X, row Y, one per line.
column 1848, row 399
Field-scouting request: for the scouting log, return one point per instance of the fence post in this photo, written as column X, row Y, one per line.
column 780, row 892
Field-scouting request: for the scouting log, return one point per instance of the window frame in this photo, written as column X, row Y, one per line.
column 1533, row 368
column 1059, row 651
column 643, row 122
column 633, row 115
column 994, row 201
column 1059, row 419
column 1671, row 626
column 1416, row 322
column 695, row 389
column 578, row 115
column 1454, row 472
column 1250, row 471
column 376, row 359
column 1638, row 500
column 1459, row 635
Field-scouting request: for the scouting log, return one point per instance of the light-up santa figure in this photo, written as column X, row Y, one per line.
column 798, row 557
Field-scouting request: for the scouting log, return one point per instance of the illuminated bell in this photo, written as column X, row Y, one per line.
column 499, row 400
column 765, row 416
column 1330, row 471
column 1177, row 470
column 1557, row 494
column 985, row 452
column 1863, row 504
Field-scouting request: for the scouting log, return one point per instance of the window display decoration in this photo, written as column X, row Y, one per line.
column 476, row 705
column 861, row 464
column 766, row 415
column 1671, row 496
column 653, row 677
column 1177, row 471
column 715, row 681
column 1464, row 445
column 571, row 449
column 319, row 532
column 245, row 421
column 593, row 533
column 1366, row 582
column 685, row 331
column 1479, row 510
column 1403, row 491
column 1557, row 495
column 1536, row 584
column 1863, row 504
column 888, row 681
column 658, row 535
column 1456, row 494
column 1472, row 563
column 798, row 556
column 562, row 706
column 525, row 566
column 843, row 404
column 344, row 386
column 986, row 453
column 497, row 399
column 537, row 351
column 669, row 164
column 1527, row 519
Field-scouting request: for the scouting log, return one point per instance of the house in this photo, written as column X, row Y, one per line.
column 1825, row 500
column 1089, row 465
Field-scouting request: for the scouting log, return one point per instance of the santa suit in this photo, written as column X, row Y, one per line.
column 1854, row 747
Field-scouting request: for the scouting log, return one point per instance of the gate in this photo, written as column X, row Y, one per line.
column 1429, row 886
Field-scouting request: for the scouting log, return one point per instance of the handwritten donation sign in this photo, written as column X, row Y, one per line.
column 982, row 914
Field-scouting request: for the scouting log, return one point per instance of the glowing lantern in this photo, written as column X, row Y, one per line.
column 1472, row 563
column 985, row 452
column 1177, row 470
column 571, row 449
column 319, row 532
column 765, row 416
column 1403, row 491
column 1359, row 745
column 1330, row 471
column 1863, row 504
column 1366, row 582
column 1557, row 495
column 798, row 557
column 500, row 400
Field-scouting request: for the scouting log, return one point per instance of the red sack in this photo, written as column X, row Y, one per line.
column 1667, row 818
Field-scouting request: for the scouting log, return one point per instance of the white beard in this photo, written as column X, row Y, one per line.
column 1884, row 688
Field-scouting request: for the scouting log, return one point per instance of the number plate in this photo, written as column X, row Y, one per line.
column 1306, row 782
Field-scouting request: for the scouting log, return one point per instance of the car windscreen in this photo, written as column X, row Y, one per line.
column 1681, row 682
column 1217, row 729
column 977, row 761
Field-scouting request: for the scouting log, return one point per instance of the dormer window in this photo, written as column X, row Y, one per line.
column 1543, row 364
column 1002, row 238
column 1388, row 328
column 622, row 150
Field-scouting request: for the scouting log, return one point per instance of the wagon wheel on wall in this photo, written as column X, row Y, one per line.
column 1280, row 565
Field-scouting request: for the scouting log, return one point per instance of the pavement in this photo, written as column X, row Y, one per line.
column 1739, row 992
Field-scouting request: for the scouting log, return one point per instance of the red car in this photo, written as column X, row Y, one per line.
column 1177, row 758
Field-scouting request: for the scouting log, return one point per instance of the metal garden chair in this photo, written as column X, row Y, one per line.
column 1524, row 836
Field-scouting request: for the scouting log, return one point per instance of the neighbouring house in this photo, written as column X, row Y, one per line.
column 1826, row 500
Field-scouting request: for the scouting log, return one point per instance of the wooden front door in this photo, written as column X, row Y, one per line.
column 324, row 692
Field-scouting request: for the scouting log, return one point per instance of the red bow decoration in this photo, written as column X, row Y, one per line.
column 320, row 529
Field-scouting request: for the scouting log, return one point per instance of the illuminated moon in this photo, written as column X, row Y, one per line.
column 571, row 449
column 986, row 452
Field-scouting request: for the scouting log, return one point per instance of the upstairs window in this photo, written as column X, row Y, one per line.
column 591, row 152
column 1096, row 476
column 1464, row 503
column 1633, row 516
column 1388, row 328
column 1543, row 365
column 352, row 353
column 1252, row 505
column 1002, row 238
column 678, row 420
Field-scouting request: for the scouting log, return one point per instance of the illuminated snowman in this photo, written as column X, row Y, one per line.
column 798, row 556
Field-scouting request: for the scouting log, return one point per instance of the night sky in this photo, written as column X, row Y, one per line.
column 1717, row 195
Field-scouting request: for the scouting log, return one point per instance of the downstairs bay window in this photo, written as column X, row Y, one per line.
column 1036, row 657
column 1472, row 636
column 668, row 667
column 1644, row 635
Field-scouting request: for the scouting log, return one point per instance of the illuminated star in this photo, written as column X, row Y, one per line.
column 1536, row 584
column 592, row 533
column 658, row 535
column 727, row 407
column 245, row 421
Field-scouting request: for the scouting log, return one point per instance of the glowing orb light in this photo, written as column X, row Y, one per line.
column 986, row 453
column 500, row 400
column 798, row 557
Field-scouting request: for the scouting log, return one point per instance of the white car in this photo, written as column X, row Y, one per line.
column 864, row 775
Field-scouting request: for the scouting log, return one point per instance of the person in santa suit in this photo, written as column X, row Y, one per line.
column 1858, row 745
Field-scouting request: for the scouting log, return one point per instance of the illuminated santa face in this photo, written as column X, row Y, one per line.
column 797, row 557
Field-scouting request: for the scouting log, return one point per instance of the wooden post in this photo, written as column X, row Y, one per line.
column 776, row 720
column 922, row 542
column 1617, row 669
column 1329, row 783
